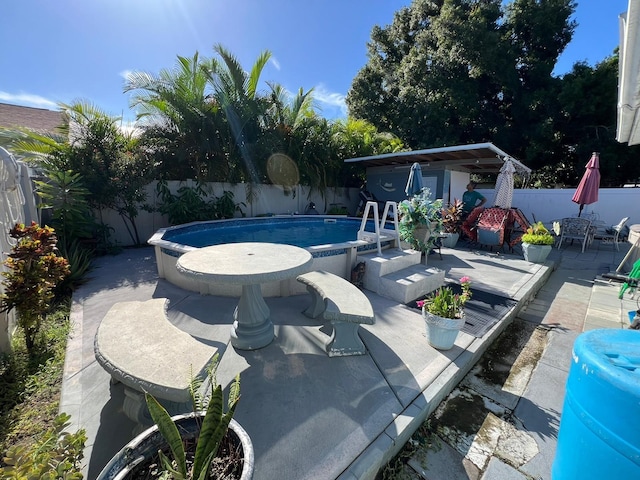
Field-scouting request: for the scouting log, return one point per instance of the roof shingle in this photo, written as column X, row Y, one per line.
column 38, row 119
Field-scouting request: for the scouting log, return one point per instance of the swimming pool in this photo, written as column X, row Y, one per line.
column 331, row 240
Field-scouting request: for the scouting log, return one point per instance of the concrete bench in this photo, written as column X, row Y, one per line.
column 138, row 346
column 344, row 305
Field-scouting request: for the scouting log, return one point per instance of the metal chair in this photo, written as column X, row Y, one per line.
column 612, row 234
column 576, row 229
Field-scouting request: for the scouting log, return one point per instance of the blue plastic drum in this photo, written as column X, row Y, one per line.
column 599, row 436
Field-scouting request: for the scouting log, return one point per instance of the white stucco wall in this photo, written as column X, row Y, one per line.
column 548, row 205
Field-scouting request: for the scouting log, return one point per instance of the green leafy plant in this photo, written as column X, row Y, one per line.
column 64, row 192
column 537, row 234
column 34, row 272
column 452, row 216
column 79, row 259
column 338, row 210
column 57, row 455
column 191, row 204
column 418, row 212
column 445, row 303
column 213, row 429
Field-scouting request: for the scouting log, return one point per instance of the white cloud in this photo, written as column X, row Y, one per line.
column 274, row 61
column 332, row 101
column 28, row 100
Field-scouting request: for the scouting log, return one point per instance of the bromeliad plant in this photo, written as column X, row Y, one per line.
column 213, row 429
column 420, row 211
column 445, row 303
column 452, row 216
column 537, row 234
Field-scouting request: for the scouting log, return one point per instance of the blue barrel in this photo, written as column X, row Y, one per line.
column 599, row 436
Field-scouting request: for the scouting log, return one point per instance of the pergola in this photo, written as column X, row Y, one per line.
column 477, row 158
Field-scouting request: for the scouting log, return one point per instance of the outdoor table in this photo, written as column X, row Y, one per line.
column 249, row 265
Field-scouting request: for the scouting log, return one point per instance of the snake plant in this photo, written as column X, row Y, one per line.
column 213, row 429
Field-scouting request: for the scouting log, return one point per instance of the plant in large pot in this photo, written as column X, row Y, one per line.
column 205, row 444
column 443, row 313
column 536, row 243
column 420, row 219
column 451, row 222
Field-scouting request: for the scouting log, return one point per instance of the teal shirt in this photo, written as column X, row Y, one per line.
column 470, row 199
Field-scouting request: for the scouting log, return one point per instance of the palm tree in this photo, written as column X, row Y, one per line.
column 236, row 92
column 182, row 120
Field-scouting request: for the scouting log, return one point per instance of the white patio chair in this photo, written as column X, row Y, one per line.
column 576, row 229
column 612, row 234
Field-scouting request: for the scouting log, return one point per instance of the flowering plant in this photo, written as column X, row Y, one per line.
column 420, row 211
column 444, row 303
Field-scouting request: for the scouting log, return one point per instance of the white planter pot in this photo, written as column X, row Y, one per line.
column 449, row 240
column 535, row 253
column 442, row 332
column 147, row 444
column 423, row 233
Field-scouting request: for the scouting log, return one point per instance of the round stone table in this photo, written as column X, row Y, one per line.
column 249, row 265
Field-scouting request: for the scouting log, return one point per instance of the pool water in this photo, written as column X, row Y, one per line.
column 299, row 231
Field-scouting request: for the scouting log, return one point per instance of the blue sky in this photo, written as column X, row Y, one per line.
column 65, row 50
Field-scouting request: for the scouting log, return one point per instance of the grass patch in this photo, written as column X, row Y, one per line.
column 30, row 384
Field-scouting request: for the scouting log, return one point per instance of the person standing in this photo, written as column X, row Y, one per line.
column 470, row 199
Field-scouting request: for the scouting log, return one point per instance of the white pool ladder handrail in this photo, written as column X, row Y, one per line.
column 379, row 225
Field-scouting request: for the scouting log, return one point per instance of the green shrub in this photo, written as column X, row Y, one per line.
column 190, row 204
column 34, row 272
column 56, row 455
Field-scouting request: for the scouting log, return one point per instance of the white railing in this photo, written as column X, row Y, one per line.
column 379, row 225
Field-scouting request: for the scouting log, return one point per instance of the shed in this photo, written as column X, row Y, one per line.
column 445, row 170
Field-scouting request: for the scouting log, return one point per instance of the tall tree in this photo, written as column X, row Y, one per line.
column 588, row 101
column 463, row 71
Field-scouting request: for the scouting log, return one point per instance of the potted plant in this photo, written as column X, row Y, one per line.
column 536, row 243
column 201, row 445
column 443, row 313
column 451, row 221
column 420, row 218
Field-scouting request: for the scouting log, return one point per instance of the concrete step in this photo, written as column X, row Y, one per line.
column 390, row 261
column 410, row 283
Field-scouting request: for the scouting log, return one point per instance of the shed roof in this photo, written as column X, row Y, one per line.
column 477, row 158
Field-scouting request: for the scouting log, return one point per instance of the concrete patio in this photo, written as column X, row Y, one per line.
column 311, row 416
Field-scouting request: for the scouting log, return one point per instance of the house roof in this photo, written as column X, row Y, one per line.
column 38, row 119
column 477, row 158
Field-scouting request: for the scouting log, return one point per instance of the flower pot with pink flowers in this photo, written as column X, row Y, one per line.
column 443, row 313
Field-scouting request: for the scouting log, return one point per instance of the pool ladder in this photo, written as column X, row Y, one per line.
column 379, row 224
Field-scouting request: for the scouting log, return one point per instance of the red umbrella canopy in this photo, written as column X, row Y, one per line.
column 587, row 191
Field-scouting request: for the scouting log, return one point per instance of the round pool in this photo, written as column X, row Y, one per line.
column 331, row 240
column 301, row 231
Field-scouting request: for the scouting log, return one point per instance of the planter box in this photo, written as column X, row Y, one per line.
column 535, row 253
column 449, row 240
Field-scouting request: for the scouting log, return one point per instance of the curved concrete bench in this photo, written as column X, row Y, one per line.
column 138, row 346
column 342, row 303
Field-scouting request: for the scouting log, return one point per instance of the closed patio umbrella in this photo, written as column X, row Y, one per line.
column 504, row 185
column 414, row 182
column 587, row 191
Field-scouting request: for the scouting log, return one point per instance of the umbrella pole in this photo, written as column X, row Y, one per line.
column 580, row 211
